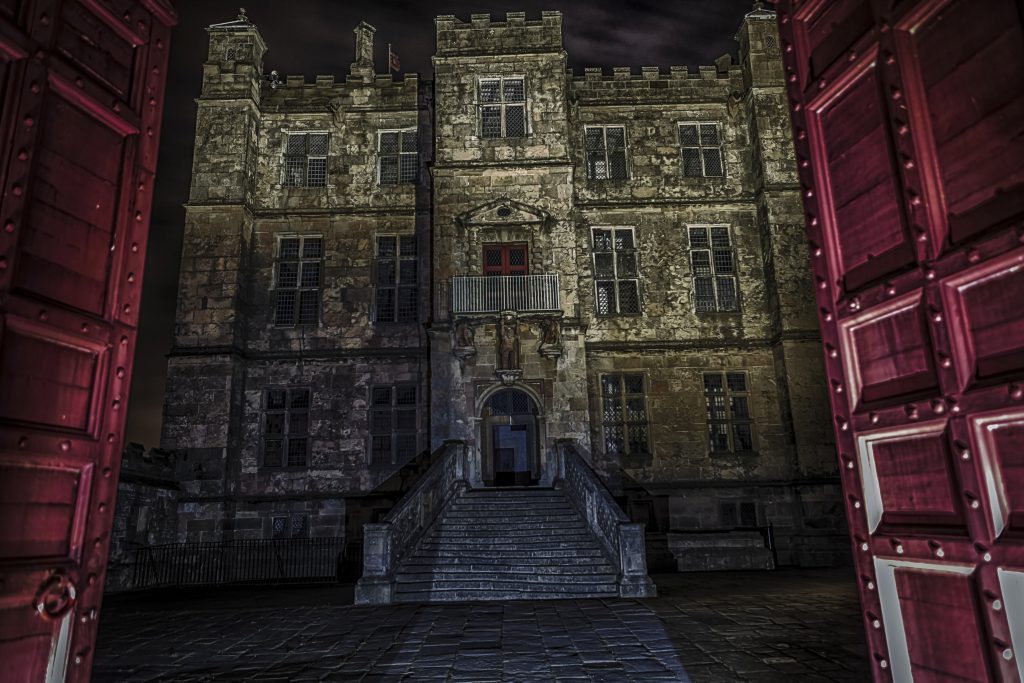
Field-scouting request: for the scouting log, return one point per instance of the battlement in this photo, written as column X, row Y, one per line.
column 651, row 84
column 654, row 73
column 327, row 93
column 409, row 80
column 483, row 36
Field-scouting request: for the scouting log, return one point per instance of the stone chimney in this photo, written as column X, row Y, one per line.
column 363, row 64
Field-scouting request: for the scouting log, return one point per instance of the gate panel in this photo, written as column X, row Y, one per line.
column 82, row 91
column 908, row 119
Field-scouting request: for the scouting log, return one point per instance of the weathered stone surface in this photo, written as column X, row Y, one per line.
column 475, row 191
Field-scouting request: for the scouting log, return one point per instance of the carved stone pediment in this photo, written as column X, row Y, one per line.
column 504, row 212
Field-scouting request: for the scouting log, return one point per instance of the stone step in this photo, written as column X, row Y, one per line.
column 498, row 586
column 484, row 556
column 538, row 509
column 525, row 516
column 571, row 544
column 505, row 526
column 467, row 531
column 600, row 567
column 485, row 595
column 507, row 544
column 509, row 501
column 485, row 577
column 513, row 491
column 492, row 494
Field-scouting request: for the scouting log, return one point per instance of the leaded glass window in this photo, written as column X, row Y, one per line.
column 305, row 160
column 606, row 152
column 285, row 427
column 392, row 424
column 624, row 414
column 297, row 281
column 398, row 156
column 700, row 145
column 503, row 107
column 396, row 271
column 713, row 265
column 616, row 274
column 730, row 427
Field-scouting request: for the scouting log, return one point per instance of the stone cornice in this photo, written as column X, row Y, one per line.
column 694, row 344
column 306, row 355
column 584, row 204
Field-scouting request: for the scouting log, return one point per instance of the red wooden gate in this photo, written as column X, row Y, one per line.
column 909, row 128
column 82, row 83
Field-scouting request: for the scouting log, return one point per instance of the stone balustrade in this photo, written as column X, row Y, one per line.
column 386, row 543
column 622, row 540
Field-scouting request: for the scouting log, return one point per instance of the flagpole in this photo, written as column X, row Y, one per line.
column 389, row 59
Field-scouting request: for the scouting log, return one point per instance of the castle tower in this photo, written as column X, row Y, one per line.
column 508, row 372
column 204, row 402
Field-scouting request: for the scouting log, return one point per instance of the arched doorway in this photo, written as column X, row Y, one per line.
column 511, row 456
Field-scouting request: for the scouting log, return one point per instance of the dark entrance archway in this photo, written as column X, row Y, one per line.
column 511, row 456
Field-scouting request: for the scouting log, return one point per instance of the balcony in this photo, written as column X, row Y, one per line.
column 492, row 294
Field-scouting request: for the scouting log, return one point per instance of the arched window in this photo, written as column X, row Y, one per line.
column 512, row 402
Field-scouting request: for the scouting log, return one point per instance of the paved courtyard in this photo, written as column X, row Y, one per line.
column 789, row 625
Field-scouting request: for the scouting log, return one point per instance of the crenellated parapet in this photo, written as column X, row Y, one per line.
column 483, row 36
column 651, row 84
column 296, row 93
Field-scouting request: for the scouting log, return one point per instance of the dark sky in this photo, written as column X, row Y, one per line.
column 315, row 37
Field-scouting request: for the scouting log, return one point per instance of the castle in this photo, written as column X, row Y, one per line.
column 513, row 256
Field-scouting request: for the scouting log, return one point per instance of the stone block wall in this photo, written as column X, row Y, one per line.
column 473, row 191
column 146, row 512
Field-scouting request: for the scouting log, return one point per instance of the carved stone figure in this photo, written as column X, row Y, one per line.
column 550, row 339
column 508, row 342
column 464, row 346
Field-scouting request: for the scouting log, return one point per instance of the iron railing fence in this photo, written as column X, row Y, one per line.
column 292, row 560
column 493, row 294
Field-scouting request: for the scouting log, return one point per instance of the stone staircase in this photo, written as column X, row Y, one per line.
column 513, row 543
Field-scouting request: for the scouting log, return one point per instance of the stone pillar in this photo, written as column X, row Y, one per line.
column 634, row 582
column 377, row 585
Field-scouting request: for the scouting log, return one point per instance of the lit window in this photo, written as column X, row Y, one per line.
column 305, row 160
column 285, row 427
column 701, row 148
column 392, row 424
column 730, row 428
column 606, row 152
column 502, row 107
column 297, row 281
column 624, row 414
column 714, row 269
column 617, row 287
column 398, row 156
column 396, row 268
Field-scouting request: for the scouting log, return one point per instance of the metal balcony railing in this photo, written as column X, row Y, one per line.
column 491, row 294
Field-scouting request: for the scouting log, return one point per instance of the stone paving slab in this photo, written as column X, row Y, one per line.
column 788, row 625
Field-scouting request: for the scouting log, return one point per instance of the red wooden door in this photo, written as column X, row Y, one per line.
column 82, row 84
column 506, row 259
column 909, row 124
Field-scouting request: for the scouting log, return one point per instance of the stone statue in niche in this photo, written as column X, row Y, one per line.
column 508, row 342
column 464, row 347
column 550, row 339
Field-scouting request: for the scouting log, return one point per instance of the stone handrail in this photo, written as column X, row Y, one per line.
column 386, row 543
column 622, row 540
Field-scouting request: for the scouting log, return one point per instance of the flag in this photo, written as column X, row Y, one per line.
column 393, row 63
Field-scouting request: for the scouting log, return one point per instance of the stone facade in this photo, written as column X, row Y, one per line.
column 146, row 513
column 296, row 393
